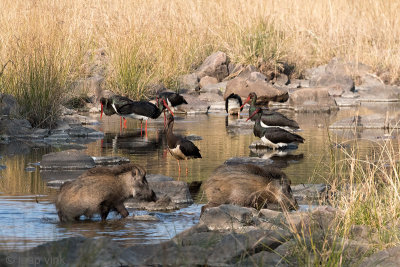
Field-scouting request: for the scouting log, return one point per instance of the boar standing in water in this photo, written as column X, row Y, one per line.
column 250, row 186
column 101, row 190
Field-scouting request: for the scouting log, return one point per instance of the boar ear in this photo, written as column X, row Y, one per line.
column 140, row 171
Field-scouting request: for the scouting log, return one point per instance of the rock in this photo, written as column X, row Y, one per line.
column 211, row 98
column 215, row 65
column 312, row 100
column 80, row 131
column 336, row 84
column 227, row 217
column 76, row 119
column 235, row 246
column 263, row 258
column 207, row 80
column 136, row 255
column 110, row 160
column 217, row 88
column 305, row 193
column 247, row 160
column 373, row 121
column 158, row 178
column 282, row 80
column 384, row 93
column 296, row 83
column 189, row 82
column 69, row 159
column 184, row 256
column 386, row 258
column 8, row 105
column 195, row 105
column 257, row 83
column 217, row 107
column 145, row 218
column 75, row 251
column 14, row 128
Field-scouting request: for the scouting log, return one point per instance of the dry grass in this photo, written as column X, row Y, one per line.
column 167, row 38
column 365, row 186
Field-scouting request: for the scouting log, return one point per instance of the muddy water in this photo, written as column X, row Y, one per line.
column 27, row 213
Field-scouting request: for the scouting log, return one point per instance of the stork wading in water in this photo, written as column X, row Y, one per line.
column 270, row 117
column 233, row 104
column 172, row 99
column 140, row 110
column 179, row 147
column 273, row 137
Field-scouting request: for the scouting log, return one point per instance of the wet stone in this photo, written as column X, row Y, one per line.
column 69, row 159
column 110, row 160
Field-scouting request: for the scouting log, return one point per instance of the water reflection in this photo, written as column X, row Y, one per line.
column 28, row 216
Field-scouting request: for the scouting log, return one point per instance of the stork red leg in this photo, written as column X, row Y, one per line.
column 141, row 128
column 125, row 124
column 146, row 128
column 165, row 120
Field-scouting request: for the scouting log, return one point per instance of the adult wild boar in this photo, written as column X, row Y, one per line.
column 101, row 190
column 248, row 185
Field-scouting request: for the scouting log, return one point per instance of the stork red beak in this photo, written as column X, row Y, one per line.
column 247, row 100
column 166, row 105
column 101, row 114
column 252, row 114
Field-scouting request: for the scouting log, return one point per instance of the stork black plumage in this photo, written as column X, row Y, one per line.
column 269, row 117
column 273, row 137
column 172, row 99
column 179, row 147
column 233, row 104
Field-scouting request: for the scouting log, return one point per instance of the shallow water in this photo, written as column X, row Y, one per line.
column 27, row 213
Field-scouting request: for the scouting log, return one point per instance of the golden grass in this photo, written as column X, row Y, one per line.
column 365, row 188
column 172, row 37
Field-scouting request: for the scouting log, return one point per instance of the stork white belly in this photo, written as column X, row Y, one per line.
column 136, row 116
column 272, row 145
column 177, row 153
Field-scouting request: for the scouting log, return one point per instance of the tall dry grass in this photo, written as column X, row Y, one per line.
column 158, row 40
column 365, row 188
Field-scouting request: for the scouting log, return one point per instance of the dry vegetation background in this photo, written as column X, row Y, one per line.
column 148, row 41
column 170, row 37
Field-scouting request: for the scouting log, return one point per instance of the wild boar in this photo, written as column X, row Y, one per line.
column 248, row 185
column 101, row 190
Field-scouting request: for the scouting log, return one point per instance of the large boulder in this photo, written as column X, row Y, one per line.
column 336, row 75
column 215, row 65
column 189, row 82
column 312, row 100
column 256, row 82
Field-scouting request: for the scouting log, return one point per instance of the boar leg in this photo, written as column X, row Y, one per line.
column 104, row 210
column 122, row 210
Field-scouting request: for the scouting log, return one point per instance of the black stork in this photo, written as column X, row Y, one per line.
column 139, row 110
column 179, row 147
column 109, row 109
column 273, row 137
column 269, row 117
column 233, row 104
column 172, row 99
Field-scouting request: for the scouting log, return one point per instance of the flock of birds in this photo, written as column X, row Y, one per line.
column 275, row 130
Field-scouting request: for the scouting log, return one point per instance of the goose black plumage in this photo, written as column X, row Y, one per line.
column 269, row 117
column 179, row 147
column 233, row 104
column 273, row 137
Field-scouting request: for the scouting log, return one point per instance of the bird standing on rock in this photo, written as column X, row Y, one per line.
column 179, row 147
column 273, row 137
